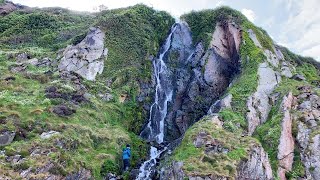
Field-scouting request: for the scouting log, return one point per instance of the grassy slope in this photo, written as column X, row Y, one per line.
column 202, row 25
column 98, row 130
column 198, row 163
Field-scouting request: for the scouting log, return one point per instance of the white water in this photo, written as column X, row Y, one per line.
column 158, row 110
column 147, row 167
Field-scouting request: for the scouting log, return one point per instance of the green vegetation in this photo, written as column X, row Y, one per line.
column 197, row 162
column 132, row 35
column 51, row 28
column 203, row 23
column 262, row 36
column 94, row 136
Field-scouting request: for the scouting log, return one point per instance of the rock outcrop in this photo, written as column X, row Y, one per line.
column 258, row 104
column 8, row 7
column 256, row 167
column 308, row 136
column 87, row 57
column 286, row 145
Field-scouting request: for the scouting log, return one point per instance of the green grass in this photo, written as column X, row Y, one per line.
column 196, row 162
column 203, row 23
column 52, row 28
column 95, row 133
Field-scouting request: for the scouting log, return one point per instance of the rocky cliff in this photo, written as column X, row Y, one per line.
column 212, row 93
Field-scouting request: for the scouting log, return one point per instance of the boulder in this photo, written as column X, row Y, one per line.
column 17, row 68
column 47, row 135
column 23, row 57
column 285, row 70
column 87, row 57
column 299, row 77
column 6, row 138
column 63, row 110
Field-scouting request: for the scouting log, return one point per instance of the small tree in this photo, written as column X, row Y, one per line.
column 102, row 7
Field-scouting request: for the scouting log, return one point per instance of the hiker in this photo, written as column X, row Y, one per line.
column 126, row 154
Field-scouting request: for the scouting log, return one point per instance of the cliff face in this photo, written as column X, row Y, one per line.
column 199, row 76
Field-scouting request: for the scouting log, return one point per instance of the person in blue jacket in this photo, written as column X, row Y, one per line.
column 126, row 154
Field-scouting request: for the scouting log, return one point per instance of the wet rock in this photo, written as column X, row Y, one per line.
column 47, row 135
column 63, row 110
column 6, row 138
column 299, row 77
column 87, row 57
column 286, row 145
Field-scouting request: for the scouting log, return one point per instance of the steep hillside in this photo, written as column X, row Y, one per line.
column 213, row 95
column 89, row 121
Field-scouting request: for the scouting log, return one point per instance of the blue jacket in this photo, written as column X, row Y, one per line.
column 126, row 153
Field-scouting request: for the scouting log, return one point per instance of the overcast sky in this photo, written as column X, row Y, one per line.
column 292, row 23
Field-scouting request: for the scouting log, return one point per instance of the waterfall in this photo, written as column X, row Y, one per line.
column 163, row 94
column 154, row 131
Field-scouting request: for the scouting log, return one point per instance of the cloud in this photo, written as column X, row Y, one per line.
column 249, row 14
column 313, row 52
column 301, row 30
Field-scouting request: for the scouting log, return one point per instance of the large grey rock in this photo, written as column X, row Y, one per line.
column 258, row 104
column 87, row 57
column 286, row 145
column 285, row 70
column 6, row 138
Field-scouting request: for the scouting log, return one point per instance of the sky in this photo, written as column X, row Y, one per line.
column 292, row 23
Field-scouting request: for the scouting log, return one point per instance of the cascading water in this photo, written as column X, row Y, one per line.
column 154, row 131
